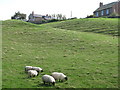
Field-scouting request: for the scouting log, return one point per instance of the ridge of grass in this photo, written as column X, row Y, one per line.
column 97, row 25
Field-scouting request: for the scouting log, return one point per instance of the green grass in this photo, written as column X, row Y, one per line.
column 101, row 25
column 0, row 55
column 89, row 60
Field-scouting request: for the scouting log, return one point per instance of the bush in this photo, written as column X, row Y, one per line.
column 114, row 14
column 90, row 16
column 44, row 21
column 53, row 20
column 104, row 16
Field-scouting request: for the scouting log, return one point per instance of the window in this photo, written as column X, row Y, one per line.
column 107, row 11
column 102, row 12
column 97, row 14
column 114, row 10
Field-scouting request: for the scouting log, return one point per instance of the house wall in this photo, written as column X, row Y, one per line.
column 116, row 8
column 30, row 16
column 36, row 20
column 110, row 10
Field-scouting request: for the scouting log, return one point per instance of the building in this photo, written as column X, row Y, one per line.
column 38, row 19
column 35, row 18
column 108, row 9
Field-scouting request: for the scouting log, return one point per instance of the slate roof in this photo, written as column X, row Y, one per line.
column 106, row 6
column 37, row 15
column 42, row 16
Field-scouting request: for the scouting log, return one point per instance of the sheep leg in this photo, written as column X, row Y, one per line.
column 25, row 70
column 49, row 83
column 29, row 76
column 44, row 82
column 59, row 80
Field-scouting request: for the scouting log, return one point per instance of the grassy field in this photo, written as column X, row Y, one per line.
column 101, row 25
column 90, row 60
column 0, row 55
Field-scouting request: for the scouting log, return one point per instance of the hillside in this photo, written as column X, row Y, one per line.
column 100, row 25
column 90, row 60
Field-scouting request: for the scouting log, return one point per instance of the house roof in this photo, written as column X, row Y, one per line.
column 42, row 16
column 37, row 15
column 106, row 6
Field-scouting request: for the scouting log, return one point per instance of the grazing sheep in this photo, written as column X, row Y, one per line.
column 48, row 79
column 38, row 69
column 28, row 68
column 32, row 73
column 59, row 76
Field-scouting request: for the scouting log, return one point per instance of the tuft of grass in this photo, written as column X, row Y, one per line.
column 89, row 60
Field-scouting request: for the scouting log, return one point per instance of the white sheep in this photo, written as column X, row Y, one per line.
column 32, row 73
column 38, row 69
column 59, row 76
column 28, row 68
column 48, row 79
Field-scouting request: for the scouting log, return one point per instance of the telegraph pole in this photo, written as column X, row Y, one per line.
column 71, row 14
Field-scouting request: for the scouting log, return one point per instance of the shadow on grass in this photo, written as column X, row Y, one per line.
column 43, row 85
column 29, row 78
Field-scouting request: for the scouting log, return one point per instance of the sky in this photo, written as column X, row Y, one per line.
column 79, row 8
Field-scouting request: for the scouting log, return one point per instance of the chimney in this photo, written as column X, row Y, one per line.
column 101, row 4
column 32, row 12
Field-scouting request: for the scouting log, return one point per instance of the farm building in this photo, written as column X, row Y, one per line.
column 108, row 9
column 37, row 18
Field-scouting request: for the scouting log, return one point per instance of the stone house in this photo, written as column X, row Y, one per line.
column 38, row 19
column 107, row 9
column 35, row 18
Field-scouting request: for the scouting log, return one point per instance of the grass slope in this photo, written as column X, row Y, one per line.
column 101, row 25
column 89, row 60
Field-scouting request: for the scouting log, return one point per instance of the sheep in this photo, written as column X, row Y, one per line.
column 38, row 69
column 48, row 79
column 32, row 73
column 59, row 76
column 28, row 68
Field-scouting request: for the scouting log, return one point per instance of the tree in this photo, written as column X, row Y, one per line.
column 90, row 16
column 64, row 17
column 114, row 14
column 53, row 15
column 19, row 15
column 60, row 16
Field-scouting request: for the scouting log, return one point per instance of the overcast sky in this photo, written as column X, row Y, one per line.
column 79, row 8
